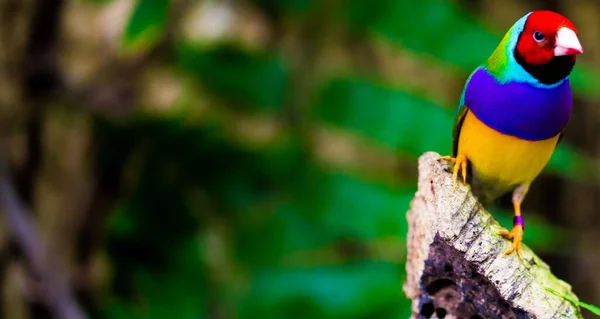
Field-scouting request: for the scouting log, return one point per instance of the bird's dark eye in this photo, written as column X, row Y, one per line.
column 538, row 36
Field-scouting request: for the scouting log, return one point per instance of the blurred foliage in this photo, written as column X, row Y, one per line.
column 146, row 25
column 261, row 78
column 214, row 225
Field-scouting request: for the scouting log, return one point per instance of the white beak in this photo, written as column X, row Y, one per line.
column 567, row 43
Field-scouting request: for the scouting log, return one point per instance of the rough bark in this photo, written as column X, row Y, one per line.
column 456, row 267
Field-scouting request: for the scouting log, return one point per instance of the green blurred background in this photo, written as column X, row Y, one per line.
column 255, row 159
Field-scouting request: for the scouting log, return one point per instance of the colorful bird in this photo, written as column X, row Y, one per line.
column 514, row 110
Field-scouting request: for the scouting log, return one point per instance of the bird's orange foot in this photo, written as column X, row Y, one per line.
column 460, row 164
column 516, row 234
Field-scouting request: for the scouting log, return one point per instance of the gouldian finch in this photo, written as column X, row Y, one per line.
column 513, row 112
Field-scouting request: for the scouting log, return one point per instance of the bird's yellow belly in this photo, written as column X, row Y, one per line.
column 502, row 158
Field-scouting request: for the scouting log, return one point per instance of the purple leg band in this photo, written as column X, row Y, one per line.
column 518, row 220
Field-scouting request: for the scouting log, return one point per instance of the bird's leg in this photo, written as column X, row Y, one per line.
column 516, row 234
column 460, row 164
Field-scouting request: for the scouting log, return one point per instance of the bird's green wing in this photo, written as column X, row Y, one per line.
column 460, row 117
column 461, row 112
column 562, row 133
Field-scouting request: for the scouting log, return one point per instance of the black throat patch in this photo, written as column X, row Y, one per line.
column 549, row 73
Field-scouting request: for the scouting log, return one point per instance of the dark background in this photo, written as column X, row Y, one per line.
column 255, row 159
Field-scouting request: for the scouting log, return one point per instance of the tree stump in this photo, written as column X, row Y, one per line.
column 456, row 266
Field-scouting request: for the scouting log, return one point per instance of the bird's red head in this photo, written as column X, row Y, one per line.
column 547, row 35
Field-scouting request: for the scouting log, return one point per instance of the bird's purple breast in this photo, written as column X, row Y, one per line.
column 519, row 109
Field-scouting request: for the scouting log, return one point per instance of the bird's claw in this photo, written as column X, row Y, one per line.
column 460, row 164
column 516, row 234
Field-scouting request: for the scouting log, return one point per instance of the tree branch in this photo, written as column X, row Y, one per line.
column 53, row 285
column 456, row 264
